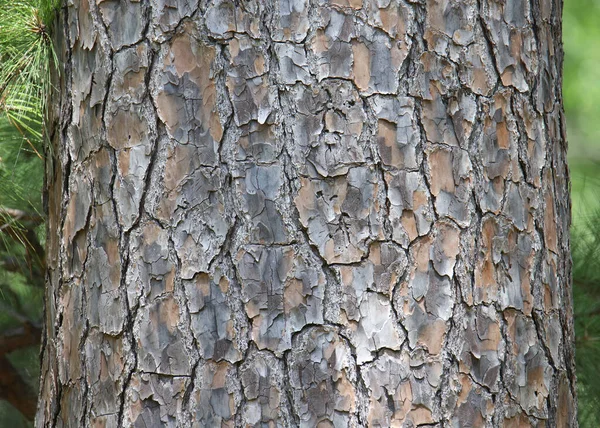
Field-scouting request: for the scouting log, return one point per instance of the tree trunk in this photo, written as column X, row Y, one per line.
column 308, row 213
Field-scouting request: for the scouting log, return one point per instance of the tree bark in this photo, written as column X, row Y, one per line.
column 308, row 213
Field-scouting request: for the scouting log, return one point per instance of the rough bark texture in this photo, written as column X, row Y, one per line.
column 309, row 213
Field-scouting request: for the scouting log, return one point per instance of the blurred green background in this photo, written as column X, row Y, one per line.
column 21, row 298
column 21, row 181
column 581, row 90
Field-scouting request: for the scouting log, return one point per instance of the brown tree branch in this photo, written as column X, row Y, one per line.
column 15, row 390
column 20, row 337
column 19, row 215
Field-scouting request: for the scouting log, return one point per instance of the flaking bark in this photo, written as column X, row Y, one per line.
column 308, row 213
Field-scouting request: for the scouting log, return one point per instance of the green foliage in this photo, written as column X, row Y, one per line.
column 26, row 56
column 581, row 87
column 21, row 177
column 21, row 171
column 581, row 91
column 585, row 250
column 586, row 281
